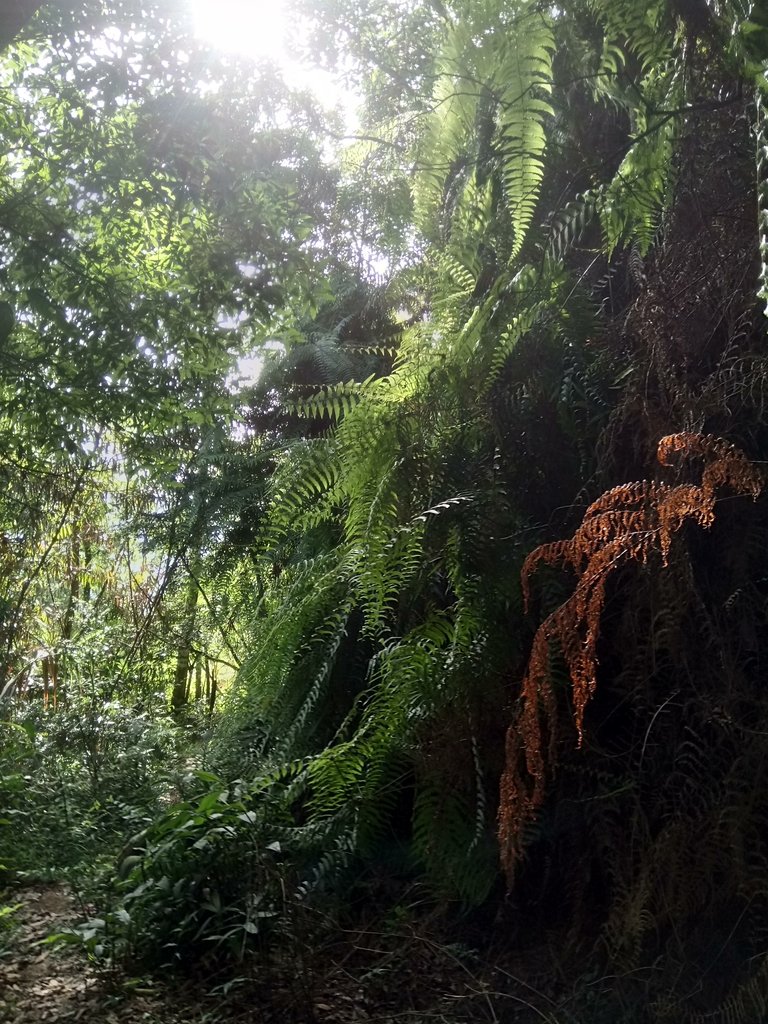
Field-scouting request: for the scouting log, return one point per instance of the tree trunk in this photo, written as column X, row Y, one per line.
column 74, row 586
column 214, row 692
column 180, row 692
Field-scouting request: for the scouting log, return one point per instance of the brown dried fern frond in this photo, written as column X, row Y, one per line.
column 627, row 523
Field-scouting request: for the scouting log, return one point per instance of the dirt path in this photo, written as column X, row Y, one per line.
column 39, row 984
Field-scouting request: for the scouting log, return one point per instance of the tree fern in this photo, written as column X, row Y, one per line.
column 394, row 616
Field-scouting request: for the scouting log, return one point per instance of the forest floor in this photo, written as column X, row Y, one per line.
column 360, row 975
column 39, row 983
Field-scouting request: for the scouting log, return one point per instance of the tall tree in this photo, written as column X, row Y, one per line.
column 156, row 215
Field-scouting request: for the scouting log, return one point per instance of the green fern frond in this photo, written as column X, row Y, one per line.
column 306, row 472
column 630, row 206
column 524, row 85
column 489, row 108
column 569, row 223
column 637, row 28
column 333, row 401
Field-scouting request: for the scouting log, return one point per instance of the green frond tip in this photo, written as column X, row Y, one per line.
column 631, row 205
column 526, row 70
column 632, row 27
column 490, row 106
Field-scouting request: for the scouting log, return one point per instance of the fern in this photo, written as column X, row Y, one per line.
column 523, row 84
column 392, row 617
column 626, row 523
column 333, row 401
column 631, row 205
column 636, row 28
column 489, row 108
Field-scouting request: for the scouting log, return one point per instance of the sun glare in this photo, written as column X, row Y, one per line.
column 266, row 31
column 258, row 28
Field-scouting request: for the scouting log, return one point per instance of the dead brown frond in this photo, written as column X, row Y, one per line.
column 626, row 524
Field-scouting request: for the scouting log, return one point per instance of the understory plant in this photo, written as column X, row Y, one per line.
column 206, row 879
column 76, row 780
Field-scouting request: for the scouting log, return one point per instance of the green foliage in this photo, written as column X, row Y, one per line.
column 557, row 198
column 202, row 881
column 393, row 536
column 489, row 107
column 74, row 780
column 151, row 229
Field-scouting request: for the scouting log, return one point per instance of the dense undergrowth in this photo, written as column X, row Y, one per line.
column 82, row 774
column 452, row 624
